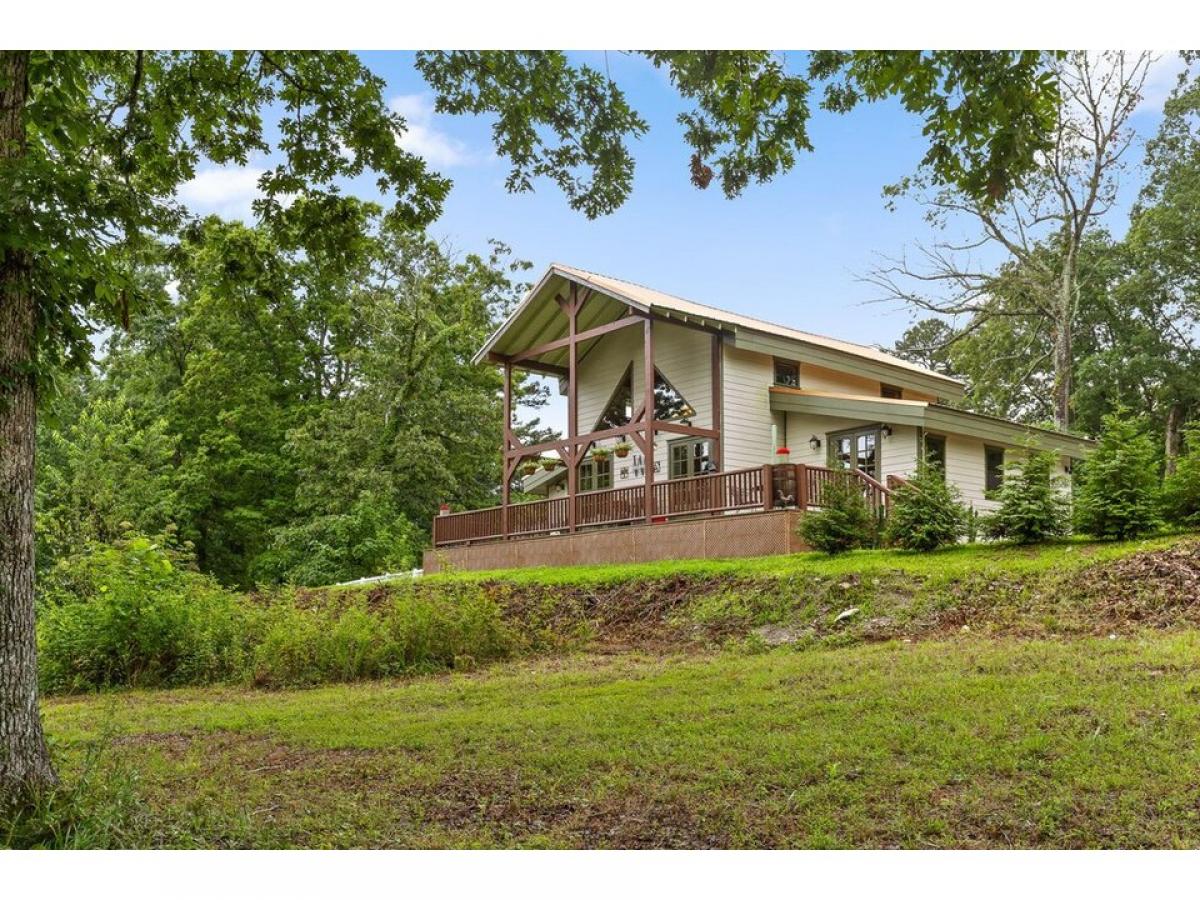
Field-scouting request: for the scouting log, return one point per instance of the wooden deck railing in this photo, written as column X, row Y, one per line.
column 735, row 491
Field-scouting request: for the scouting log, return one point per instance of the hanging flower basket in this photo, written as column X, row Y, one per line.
column 600, row 453
column 623, row 449
column 550, row 464
column 529, row 467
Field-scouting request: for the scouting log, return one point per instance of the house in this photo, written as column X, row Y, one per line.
column 748, row 420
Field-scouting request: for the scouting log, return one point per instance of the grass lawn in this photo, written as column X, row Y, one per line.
column 960, row 742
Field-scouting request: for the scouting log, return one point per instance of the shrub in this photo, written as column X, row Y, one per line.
column 134, row 613
column 926, row 512
column 413, row 631
column 1181, row 489
column 843, row 523
column 1032, row 505
column 1118, row 495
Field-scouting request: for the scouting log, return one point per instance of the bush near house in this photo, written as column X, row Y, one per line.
column 1181, row 489
column 844, row 523
column 926, row 513
column 1032, row 505
column 1118, row 495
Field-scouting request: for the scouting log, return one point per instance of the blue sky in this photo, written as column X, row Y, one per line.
column 791, row 251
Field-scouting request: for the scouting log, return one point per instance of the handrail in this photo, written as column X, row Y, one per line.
column 738, row 490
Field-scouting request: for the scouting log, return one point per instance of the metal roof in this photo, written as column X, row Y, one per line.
column 536, row 320
column 933, row 416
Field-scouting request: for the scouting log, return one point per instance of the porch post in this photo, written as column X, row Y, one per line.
column 648, row 415
column 570, row 308
column 716, row 386
column 506, row 481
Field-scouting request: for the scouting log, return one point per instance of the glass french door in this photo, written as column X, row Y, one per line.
column 857, row 449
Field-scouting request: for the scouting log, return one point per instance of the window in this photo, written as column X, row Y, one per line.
column 619, row 409
column 856, row 450
column 935, row 452
column 787, row 373
column 993, row 467
column 668, row 402
column 688, row 457
column 890, row 392
column 595, row 475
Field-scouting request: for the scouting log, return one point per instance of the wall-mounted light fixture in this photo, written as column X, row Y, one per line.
column 886, row 430
column 814, row 442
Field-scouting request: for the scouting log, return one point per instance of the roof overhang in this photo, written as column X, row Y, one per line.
column 538, row 320
column 931, row 416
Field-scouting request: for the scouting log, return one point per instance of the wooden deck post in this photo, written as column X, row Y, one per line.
column 716, row 386
column 648, row 407
column 768, row 487
column 570, row 307
column 506, row 483
column 802, row 486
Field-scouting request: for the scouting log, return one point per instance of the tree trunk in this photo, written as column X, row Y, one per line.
column 1064, row 308
column 24, row 758
column 1174, row 436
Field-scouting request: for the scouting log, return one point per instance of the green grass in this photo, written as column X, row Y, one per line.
column 967, row 742
column 951, row 562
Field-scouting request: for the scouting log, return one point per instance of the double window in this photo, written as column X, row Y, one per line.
column 857, row 450
column 688, row 457
column 595, row 475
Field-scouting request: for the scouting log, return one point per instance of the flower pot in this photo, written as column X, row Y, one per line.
column 622, row 452
column 550, row 465
column 529, row 468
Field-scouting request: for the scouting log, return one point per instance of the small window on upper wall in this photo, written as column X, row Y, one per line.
column 787, row 373
column 890, row 392
column 993, row 467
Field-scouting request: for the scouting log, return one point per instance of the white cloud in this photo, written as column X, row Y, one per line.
column 1161, row 80
column 423, row 138
column 227, row 191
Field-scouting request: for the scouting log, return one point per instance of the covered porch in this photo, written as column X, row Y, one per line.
column 561, row 321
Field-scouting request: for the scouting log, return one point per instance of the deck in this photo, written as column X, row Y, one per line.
column 746, row 512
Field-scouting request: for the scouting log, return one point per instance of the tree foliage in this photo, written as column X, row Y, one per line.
column 1181, row 488
column 296, row 421
column 844, row 522
column 926, row 512
column 1033, row 504
column 987, row 114
column 1118, row 493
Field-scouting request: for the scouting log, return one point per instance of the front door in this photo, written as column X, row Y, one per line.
column 857, row 449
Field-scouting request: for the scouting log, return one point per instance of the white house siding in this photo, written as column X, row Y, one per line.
column 746, row 410
column 965, row 468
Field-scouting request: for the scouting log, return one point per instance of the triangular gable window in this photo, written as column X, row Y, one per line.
column 668, row 402
column 619, row 410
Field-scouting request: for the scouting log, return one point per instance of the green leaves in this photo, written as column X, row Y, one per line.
column 987, row 114
column 1034, row 505
column 1118, row 494
column 112, row 135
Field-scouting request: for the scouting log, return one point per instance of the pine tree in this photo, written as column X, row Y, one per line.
column 1032, row 505
column 1119, row 494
